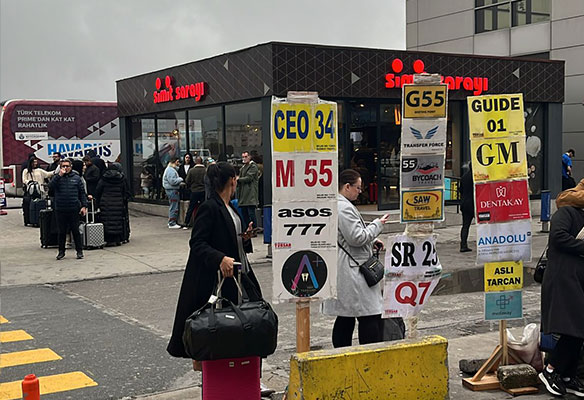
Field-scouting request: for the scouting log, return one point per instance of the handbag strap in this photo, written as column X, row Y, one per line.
column 213, row 319
column 376, row 252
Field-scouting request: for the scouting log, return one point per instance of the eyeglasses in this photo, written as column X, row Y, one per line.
column 66, row 166
column 359, row 188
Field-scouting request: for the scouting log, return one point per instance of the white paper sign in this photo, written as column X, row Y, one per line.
column 510, row 241
column 412, row 271
column 423, row 136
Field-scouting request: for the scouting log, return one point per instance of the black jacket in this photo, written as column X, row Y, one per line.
column 92, row 175
column 69, row 192
column 112, row 198
column 213, row 237
column 467, row 193
column 562, row 291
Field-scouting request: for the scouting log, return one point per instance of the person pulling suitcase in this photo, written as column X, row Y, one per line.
column 70, row 201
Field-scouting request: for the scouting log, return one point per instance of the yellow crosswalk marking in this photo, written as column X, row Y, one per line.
column 3, row 320
column 27, row 357
column 14, row 336
column 48, row 384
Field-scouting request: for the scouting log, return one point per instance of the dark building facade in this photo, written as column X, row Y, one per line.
column 220, row 106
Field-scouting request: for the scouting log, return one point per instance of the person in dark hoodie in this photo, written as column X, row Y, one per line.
column 91, row 175
column 97, row 161
column 112, row 196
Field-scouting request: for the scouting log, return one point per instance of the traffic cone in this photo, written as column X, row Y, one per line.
column 30, row 388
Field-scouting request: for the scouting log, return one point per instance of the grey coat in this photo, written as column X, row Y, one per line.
column 354, row 297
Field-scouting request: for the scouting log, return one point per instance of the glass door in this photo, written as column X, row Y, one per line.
column 363, row 148
column 389, row 156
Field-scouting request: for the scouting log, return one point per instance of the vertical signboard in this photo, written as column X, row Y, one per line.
column 2, row 194
column 304, row 193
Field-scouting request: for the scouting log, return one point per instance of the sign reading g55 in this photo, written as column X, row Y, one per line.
column 424, row 101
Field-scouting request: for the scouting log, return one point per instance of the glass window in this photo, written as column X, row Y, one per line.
column 534, row 129
column 206, row 132
column 363, row 148
column 389, row 155
column 540, row 10
column 145, row 162
column 243, row 125
column 500, row 14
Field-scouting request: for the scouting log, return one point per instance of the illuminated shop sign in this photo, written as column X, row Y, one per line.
column 395, row 79
column 172, row 93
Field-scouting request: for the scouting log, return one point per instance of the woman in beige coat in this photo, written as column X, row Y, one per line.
column 355, row 299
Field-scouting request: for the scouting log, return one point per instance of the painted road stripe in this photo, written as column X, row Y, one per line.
column 14, row 336
column 27, row 357
column 48, row 384
column 3, row 320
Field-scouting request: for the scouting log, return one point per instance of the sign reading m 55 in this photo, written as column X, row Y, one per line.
column 424, row 101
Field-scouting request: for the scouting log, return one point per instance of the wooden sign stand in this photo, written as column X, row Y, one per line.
column 302, row 325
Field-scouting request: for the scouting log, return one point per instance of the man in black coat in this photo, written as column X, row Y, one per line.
column 92, row 175
column 467, row 207
column 56, row 161
column 70, row 201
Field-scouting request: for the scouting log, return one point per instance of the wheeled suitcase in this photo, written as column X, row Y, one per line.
column 243, row 375
column 49, row 232
column 36, row 206
column 92, row 233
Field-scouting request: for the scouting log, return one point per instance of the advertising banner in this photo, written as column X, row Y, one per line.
column 412, row 271
column 304, row 199
column 496, row 116
column 425, row 101
column 504, row 275
column 108, row 150
column 31, row 135
column 498, row 159
column 502, row 201
column 420, row 136
column 422, row 171
column 509, row 241
column 503, row 305
column 422, row 205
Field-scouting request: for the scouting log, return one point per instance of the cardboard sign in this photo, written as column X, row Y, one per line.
column 418, row 206
column 304, row 127
column 510, row 241
column 424, row 101
column 503, row 305
column 496, row 116
column 421, row 136
column 504, row 275
column 502, row 201
column 498, row 159
column 422, row 171
column 412, row 271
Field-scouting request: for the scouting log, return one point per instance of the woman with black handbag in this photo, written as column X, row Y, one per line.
column 355, row 297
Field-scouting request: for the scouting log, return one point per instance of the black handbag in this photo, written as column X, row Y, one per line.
column 540, row 267
column 372, row 269
column 232, row 331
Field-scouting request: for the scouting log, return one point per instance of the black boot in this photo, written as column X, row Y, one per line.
column 60, row 255
column 464, row 248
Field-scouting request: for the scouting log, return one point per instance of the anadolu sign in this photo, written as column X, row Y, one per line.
column 172, row 93
column 395, row 79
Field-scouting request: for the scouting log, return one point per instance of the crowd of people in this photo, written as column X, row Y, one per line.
column 74, row 187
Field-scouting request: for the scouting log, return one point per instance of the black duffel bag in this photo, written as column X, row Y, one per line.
column 233, row 331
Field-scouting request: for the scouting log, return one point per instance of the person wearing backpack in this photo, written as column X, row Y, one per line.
column 33, row 179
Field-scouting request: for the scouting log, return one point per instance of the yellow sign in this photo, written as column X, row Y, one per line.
column 422, row 205
column 304, row 127
column 504, row 275
column 496, row 116
column 498, row 159
column 424, row 101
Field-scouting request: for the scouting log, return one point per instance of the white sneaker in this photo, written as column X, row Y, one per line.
column 186, row 228
column 174, row 226
column 265, row 391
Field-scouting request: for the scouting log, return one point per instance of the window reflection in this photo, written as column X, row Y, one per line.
column 206, row 133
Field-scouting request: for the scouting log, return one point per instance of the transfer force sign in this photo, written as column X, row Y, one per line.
column 304, row 194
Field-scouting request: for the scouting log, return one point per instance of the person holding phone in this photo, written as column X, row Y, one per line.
column 355, row 299
column 70, row 201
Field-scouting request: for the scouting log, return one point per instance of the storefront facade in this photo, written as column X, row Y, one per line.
column 220, row 106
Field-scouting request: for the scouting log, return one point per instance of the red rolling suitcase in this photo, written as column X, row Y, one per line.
column 242, row 375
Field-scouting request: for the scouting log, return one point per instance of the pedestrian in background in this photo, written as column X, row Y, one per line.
column 183, row 170
column 171, row 182
column 195, row 181
column 466, row 207
column 54, row 166
column 355, row 299
column 112, row 196
column 562, row 297
column 32, row 173
column 568, row 181
column 70, row 201
column 247, row 189
column 91, row 175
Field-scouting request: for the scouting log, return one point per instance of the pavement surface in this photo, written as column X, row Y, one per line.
column 109, row 316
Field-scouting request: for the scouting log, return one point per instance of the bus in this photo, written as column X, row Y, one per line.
column 44, row 127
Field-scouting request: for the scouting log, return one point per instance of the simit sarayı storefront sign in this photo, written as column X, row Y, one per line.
column 172, row 93
column 476, row 85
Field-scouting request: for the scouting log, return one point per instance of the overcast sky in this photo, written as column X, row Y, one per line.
column 77, row 49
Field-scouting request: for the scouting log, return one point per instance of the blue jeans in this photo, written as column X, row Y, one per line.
column 173, row 199
column 249, row 215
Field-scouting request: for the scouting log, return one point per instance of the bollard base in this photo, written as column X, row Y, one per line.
column 545, row 227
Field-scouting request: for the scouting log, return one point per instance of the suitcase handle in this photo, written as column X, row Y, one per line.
column 92, row 214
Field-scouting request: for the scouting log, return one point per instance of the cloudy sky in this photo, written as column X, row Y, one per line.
column 77, row 49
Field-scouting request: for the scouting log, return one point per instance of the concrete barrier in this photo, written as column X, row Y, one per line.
column 402, row 370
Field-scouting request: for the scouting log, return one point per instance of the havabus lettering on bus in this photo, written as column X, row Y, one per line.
column 108, row 150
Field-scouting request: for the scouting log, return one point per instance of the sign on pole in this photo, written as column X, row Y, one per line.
column 304, row 193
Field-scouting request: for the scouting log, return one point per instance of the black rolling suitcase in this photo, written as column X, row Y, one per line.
column 48, row 224
column 36, row 206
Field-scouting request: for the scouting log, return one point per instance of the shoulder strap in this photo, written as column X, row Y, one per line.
column 355, row 261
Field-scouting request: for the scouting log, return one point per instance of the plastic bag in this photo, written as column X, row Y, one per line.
column 527, row 347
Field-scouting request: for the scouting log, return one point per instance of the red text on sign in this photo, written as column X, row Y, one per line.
column 411, row 299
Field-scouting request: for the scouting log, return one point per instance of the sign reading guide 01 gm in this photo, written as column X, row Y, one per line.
column 304, row 194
